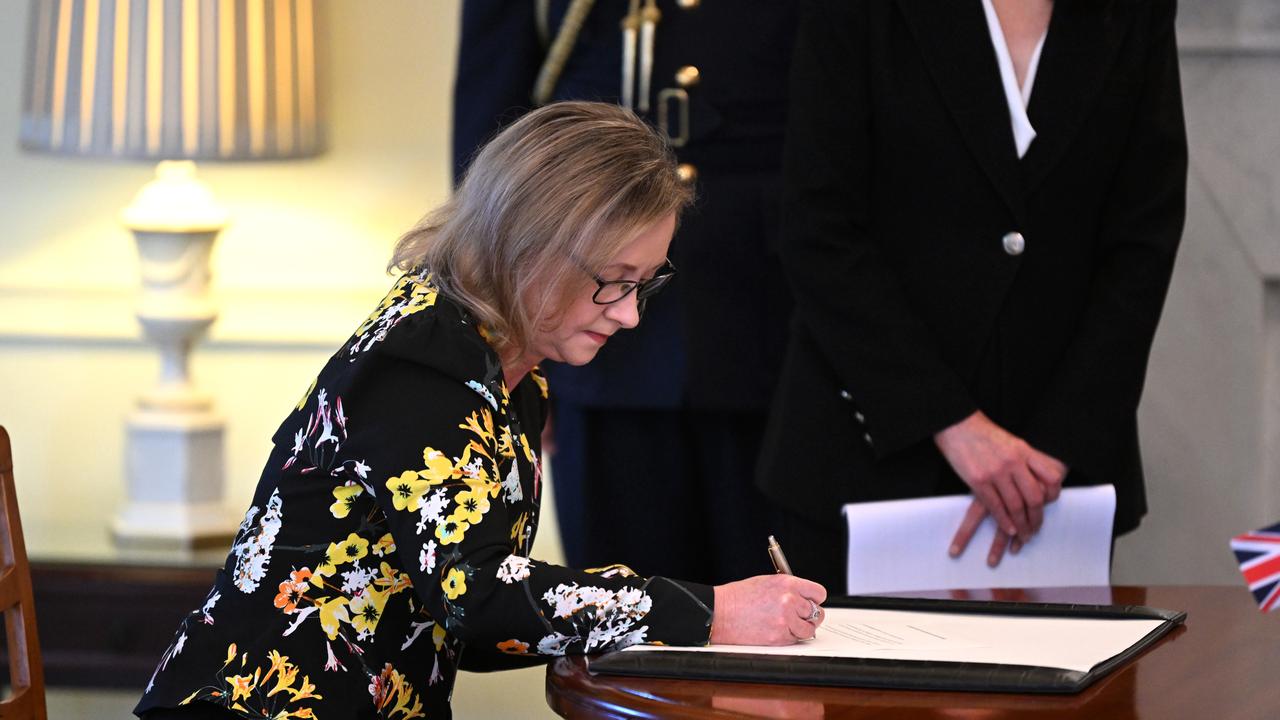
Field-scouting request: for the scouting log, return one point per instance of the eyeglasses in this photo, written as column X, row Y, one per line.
column 611, row 291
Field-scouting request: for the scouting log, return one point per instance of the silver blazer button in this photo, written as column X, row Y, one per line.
column 1014, row 243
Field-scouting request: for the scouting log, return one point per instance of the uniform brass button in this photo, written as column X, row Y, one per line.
column 845, row 395
column 867, row 438
column 687, row 174
column 688, row 76
column 859, row 417
column 1014, row 243
column 688, row 4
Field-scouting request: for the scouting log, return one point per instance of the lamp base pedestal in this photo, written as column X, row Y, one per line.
column 174, row 469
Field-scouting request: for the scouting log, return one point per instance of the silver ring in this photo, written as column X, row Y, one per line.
column 814, row 611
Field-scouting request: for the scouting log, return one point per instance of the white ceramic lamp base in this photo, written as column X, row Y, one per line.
column 173, row 459
column 175, row 469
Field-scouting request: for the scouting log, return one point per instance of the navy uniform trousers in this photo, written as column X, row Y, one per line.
column 662, row 429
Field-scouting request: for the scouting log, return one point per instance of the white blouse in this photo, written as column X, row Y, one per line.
column 1017, row 97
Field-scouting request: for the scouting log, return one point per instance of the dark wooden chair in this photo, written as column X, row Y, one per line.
column 26, row 675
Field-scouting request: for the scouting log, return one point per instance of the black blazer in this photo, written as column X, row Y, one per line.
column 902, row 182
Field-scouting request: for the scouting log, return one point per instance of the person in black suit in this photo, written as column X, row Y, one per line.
column 665, row 426
column 975, row 301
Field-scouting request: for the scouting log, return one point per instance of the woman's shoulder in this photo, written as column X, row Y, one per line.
column 418, row 323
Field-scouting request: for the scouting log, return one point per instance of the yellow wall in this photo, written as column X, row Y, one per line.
column 300, row 265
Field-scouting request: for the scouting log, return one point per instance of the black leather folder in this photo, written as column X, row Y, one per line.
column 900, row 674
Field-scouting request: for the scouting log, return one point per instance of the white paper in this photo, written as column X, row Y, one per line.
column 1067, row 643
column 901, row 545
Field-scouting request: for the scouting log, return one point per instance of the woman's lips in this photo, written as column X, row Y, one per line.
column 598, row 337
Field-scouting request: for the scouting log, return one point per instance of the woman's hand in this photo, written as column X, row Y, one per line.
column 767, row 610
column 1010, row 478
column 1011, row 481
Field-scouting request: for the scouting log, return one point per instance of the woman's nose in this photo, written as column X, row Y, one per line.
column 625, row 312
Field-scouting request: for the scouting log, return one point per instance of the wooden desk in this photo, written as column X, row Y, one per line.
column 1224, row 664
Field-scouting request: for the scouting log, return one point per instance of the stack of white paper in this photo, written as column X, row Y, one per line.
column 901, row 545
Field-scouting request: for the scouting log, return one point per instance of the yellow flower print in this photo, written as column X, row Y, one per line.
column 517, row 528
column 393, row 580
column 614, row 570
column 351, row 549
column 514, row 647
column 438, row 635
column 345, row 496
column 539, row 380
column 472, row 469
column 452, row 530
column 307, row 395
column 231, row 654
column 455, row 583
column 407, row 490
column 327, row 567
column 481, row 424
column 422, row 296
column 472, row 505
column 333, row 612
column 404, row 697
column 528, row 451
column 366, row 609
column 386, row 544
column 437, row 467
column 387, row 302
column 278, row 663
column 284, row 681
column 241, row 686
column 305, row 691
column 505, row 448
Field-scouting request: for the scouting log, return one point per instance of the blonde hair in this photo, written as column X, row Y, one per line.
column 549, row 200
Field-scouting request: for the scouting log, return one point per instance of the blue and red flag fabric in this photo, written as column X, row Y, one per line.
column 1258, row 553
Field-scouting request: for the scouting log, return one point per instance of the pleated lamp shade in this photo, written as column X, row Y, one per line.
column 172, row 79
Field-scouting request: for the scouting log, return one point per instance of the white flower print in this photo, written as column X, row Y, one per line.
column 484, row 393
column 599, row 616
column 206, row 612
column 427, row 558
column 253, row 553
column 431, row 511
column 513, row 569
column 416, row 629
column 332, row 663
column 635, row 637
column 511, row 485
column 355, row 580
column 554, row 644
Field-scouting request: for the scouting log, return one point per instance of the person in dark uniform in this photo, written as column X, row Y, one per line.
column 678, row 407
column 984, row 200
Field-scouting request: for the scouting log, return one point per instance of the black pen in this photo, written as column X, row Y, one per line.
column 780, row 563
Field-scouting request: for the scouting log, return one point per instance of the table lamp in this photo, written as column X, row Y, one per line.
column 173, row 81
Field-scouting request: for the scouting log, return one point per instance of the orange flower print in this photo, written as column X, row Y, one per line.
column 293, row 590
column 514, row 647
column 241, row 685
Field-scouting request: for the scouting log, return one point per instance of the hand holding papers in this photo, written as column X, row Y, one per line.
column 901, row 545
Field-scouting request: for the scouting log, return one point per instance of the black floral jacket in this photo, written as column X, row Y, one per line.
column 389, row 536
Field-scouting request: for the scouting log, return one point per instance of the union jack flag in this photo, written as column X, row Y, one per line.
column 1259, row 556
